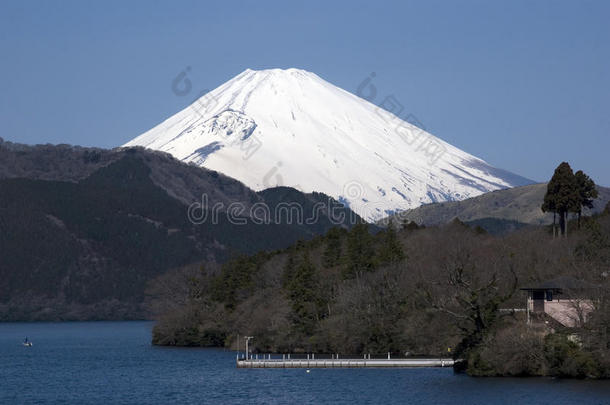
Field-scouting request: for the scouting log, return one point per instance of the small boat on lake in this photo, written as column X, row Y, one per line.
column 27, row 343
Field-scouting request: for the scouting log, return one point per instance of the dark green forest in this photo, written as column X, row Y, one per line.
column 76, row 248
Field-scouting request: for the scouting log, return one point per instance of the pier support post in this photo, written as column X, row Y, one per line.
column 248, row 340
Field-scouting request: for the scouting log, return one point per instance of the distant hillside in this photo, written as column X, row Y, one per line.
column 83, row 230
column 497, row 210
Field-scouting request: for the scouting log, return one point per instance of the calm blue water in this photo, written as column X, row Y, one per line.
column 114, row 363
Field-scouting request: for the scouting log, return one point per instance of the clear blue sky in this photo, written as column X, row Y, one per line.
column 521, row 84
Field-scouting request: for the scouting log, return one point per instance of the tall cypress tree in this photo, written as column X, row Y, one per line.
column 586, row 192
column 562, row 195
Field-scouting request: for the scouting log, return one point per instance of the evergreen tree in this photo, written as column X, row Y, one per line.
column 390, row 250
column 235, row 278
column 301, row 284
column 562, row 195
column 586, row 191
column 332, row 253
column 360, row 251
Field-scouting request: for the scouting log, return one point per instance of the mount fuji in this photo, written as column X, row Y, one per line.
column 289, row 127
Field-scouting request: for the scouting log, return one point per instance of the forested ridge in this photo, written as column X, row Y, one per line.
column 82, row 230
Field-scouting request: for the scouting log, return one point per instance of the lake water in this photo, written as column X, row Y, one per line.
column 114, row 363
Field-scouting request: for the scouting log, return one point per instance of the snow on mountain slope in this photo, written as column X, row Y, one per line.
column 292, row 128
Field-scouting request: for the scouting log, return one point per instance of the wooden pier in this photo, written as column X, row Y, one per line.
column 267, row 361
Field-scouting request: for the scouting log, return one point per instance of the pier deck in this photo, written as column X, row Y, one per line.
column 341, row 363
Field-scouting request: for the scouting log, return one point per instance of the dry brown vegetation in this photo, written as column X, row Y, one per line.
column 418, row 291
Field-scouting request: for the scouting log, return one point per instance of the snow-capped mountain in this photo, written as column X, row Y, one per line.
column 290, row 127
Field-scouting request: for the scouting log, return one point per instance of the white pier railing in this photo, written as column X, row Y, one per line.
column 269, row 361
